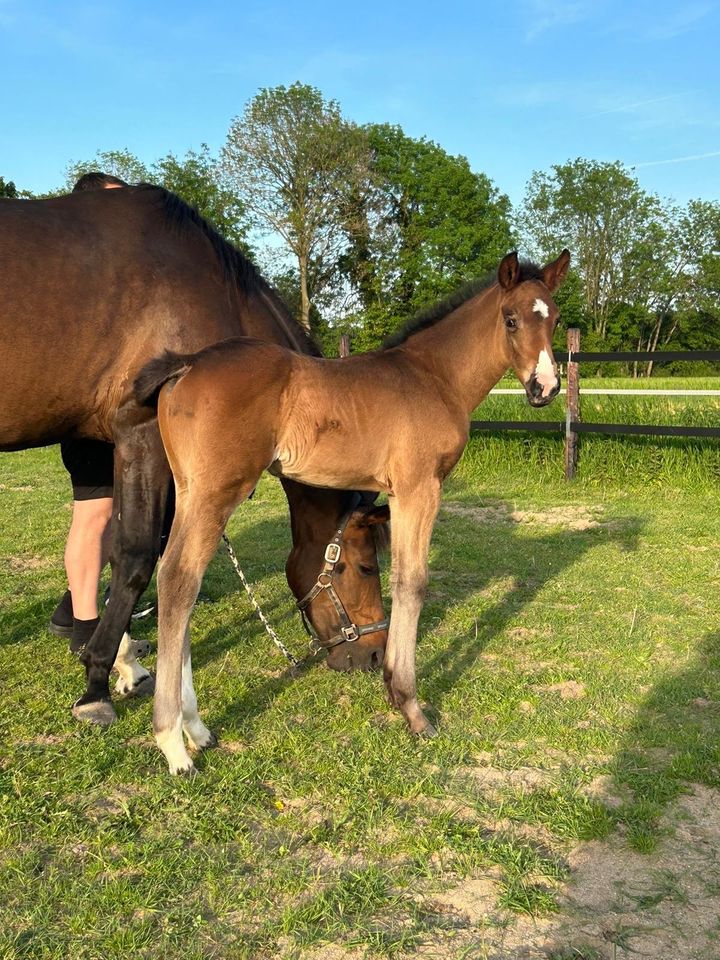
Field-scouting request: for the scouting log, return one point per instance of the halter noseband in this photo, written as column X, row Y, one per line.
column 349, row 631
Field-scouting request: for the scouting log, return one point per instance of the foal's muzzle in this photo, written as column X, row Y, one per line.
column 534, row 391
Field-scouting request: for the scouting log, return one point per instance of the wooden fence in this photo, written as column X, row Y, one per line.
column 573, row 426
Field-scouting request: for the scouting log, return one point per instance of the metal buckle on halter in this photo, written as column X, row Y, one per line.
column 332, row 553
column 350, row 633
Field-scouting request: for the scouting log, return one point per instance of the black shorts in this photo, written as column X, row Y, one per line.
column 90, row 465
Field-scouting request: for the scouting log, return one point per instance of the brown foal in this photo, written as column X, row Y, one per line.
column 394, row 420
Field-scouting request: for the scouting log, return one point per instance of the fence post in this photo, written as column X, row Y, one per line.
column 344, row 348
column 572, row 404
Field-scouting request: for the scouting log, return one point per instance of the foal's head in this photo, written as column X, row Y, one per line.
column 339, row 589
column 528, row 315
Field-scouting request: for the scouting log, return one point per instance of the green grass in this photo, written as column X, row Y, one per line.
column 318, row 819
column 635, row 462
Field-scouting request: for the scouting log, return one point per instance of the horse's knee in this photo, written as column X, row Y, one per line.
column 410, row 586
column 133, row 569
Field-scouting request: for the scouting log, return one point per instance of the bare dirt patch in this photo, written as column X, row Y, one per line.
column 569, row 517
column 605, row 790
column 616, row 904
column 22, row 564
column 567, row 689
column 491, row 781
column 327, row 952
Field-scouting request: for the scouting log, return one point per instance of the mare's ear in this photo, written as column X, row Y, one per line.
column 554, row 273
column 509, row 271
column 375, row 516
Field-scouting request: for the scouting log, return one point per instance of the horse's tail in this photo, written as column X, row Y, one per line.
column 155, row 374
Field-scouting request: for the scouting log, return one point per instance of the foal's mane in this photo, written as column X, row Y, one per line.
column 429, row 316
column 237, row 269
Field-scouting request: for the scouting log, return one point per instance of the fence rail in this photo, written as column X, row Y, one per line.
column 615, row 392
column 572, row 426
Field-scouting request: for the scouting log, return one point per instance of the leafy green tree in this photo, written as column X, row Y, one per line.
column 293, row 159
column 195, row 179
column 614, row 230
column 423, row 224
column 649, row 270
column 118, row 163
column 8, row 189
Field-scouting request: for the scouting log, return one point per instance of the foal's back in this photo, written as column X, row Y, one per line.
column 351, row 423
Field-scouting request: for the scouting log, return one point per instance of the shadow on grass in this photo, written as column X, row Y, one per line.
column 504, row 551
column 268, row 540
column 673, row 742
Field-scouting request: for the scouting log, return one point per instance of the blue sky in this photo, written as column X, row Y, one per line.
column 514, row 86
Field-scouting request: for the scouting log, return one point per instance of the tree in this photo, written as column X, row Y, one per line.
column 195, row 178
column 293, row 160
column 423, row 224
column 614, row 230
column 648, row 269
column 8, row 189
column 118, row 163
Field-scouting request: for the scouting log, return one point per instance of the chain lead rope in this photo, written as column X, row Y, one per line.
column 263, row 619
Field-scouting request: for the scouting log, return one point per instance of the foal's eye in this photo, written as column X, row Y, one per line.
column 510, row 322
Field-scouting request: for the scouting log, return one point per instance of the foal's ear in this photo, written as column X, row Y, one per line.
column 554, row 273
column 509, row 271
column 375, row 516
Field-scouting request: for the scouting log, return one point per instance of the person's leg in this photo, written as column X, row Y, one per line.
column 86, row 553
column 90, row 465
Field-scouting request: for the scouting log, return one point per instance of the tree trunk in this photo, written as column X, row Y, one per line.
column 304, row 297
column 652, row 345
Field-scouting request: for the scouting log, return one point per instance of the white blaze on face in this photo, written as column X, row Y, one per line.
column 545, row 372
column 542, row 308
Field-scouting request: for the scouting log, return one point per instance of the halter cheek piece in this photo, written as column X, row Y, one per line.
column 349, row 631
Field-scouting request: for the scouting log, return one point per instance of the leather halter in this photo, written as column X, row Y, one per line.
column 349, row 631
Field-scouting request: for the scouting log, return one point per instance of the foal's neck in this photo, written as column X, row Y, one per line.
column 464, row 351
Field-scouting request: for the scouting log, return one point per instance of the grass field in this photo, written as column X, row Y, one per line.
column 569, row 655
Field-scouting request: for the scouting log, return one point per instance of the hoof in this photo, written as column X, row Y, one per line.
column 145, row 687
column 140, row 648
column 202, row 743
column 427, row 732
column 188, row 773
column 99, row 712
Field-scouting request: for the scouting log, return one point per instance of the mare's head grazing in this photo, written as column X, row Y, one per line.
column 333, row 572
column 528, row 315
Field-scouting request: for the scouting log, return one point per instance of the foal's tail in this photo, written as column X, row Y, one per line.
column 155, row 374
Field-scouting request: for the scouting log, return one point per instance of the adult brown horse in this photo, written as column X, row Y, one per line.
column 92, row 286
column 394, row 420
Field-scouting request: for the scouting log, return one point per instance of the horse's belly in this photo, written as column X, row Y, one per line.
column 338, row 473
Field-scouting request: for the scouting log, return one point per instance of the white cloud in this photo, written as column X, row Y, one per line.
column 660, row 163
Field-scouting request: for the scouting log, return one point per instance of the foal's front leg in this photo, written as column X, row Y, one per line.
column 413, row 516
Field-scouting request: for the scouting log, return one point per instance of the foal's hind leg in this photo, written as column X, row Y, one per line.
column 412, row 518
column 193, row 541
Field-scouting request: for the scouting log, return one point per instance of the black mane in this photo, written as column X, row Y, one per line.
column 237, row 269
column 432, row 315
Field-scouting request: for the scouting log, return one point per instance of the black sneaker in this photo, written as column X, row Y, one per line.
column 61, row 622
